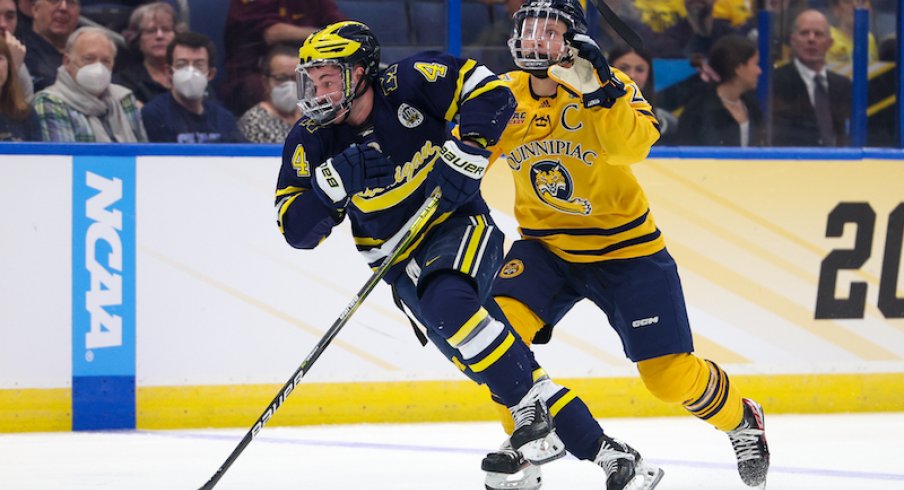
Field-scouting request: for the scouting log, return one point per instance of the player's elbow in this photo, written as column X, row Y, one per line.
column 304, row 241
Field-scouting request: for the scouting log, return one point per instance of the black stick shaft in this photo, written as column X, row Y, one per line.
column 618, row 25
column 424, row 214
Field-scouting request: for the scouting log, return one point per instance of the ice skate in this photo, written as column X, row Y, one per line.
column 506, row 469
column 625, row 468
column 534, row 435
column 750, row 446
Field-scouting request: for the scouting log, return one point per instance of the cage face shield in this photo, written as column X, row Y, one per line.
column 538, row 40
column 325, row 90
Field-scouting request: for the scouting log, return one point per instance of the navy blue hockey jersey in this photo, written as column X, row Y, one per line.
column 414, row 102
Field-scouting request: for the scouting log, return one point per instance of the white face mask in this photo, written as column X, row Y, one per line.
column 95, row 78
column 285, row 97
column 189, row 83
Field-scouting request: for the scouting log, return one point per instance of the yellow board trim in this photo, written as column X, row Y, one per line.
column 189, row 407
column 468, row 327
column 36, row 410
column 495, row 355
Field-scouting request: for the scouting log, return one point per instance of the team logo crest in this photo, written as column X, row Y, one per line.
column 555, row 187
column 512, row 268
column 409, row 116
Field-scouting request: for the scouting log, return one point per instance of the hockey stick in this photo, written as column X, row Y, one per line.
column 422, row 217
column 618, row 25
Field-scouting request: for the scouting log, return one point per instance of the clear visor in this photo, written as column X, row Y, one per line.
column 324, row 90
column 538, row 40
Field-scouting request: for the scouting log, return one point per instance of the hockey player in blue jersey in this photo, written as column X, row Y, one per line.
column 372, row 145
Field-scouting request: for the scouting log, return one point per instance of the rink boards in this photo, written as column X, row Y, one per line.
column 156, row 292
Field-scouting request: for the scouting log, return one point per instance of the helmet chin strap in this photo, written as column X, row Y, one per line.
column 538, row 73
column 360, row 87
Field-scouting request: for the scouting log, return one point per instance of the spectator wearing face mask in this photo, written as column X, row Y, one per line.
column 82, row 105
column 271, row 119
column 185, row 114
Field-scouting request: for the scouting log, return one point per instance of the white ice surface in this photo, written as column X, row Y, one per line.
column 808, row 452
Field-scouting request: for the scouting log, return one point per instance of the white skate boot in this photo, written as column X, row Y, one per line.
column 535, row 434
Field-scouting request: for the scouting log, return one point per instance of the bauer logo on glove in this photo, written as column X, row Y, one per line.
column 457, row 160
column 588, row 73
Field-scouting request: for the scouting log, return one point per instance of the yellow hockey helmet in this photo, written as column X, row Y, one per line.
column 327, row 60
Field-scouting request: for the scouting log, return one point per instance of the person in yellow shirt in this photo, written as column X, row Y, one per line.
column 842, row 50
column 587, row 231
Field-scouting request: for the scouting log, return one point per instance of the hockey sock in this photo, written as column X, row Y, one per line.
column 490, row 348
column 701, row 386
column 575, row 424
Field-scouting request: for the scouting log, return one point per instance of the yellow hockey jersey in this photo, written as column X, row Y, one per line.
column 574, row 187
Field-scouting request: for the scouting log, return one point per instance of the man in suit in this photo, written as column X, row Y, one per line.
column 812, row 105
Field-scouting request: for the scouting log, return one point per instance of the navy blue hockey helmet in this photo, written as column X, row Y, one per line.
column 537, row 40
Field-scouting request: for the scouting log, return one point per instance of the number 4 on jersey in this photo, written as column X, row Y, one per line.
column 431, row 71
column 300, row 163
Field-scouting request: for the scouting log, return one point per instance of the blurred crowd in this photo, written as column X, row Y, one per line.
column 133, row 71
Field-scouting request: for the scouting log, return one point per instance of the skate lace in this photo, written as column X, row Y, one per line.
column 746, row 443
column 609, row 456
column 525, row 414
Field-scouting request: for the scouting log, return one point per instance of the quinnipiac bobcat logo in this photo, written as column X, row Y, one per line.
column 555, row 187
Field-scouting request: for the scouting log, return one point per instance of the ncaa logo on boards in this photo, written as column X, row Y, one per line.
column 512, row 268
column 409, row 116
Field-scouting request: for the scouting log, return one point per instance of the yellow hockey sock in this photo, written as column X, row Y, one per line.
column 701, row 386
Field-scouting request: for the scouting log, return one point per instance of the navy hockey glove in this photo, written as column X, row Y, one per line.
column 589, row 74
column 358, row 167
column 457, row 172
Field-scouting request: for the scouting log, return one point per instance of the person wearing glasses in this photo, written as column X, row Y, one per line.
column 272, row 118
column 151, row 28
column 185, row 114
column 54, row 21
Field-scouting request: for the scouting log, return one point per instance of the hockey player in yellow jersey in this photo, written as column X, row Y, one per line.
column 587, row 231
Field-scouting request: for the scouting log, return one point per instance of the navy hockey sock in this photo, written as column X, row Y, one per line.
column 490, row 348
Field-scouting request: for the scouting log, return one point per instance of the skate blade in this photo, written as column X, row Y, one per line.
column 543, row 450
column 526, row 479
column 647, row 477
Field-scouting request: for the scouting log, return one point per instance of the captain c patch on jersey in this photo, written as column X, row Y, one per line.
column 555, row 187
column 409, row 116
